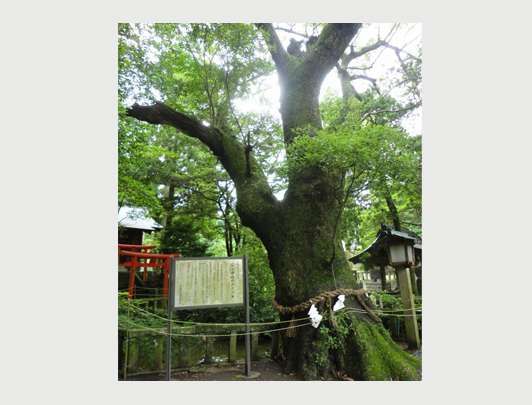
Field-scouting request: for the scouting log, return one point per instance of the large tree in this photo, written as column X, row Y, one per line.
column 301, row 231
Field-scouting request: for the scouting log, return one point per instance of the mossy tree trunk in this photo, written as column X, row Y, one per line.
column 300, row 232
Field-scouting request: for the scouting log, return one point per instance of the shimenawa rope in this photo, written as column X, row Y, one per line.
column 292, row 332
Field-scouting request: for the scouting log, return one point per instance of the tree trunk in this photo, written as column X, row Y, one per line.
column 306, row 255
column 300, row 233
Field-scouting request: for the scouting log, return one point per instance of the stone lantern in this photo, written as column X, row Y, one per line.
column 399, row 250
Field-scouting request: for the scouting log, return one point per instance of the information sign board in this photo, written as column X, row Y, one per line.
column 203, row 282
column 207, row 282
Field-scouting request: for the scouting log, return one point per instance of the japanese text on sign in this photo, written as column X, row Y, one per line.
column 212, row 282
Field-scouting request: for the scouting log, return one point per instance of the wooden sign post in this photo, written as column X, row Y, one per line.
column 409, row 310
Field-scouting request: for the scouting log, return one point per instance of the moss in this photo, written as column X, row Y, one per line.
column 356, row 346
column 379, row 358
column 302, row 255
column 234, row 153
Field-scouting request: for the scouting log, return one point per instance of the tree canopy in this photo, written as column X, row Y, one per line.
column 200, row 138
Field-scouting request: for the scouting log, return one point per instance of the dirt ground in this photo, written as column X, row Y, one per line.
column 264, row 370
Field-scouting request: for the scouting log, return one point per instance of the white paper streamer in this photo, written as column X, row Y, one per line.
column 315, row 316
column 340, row 303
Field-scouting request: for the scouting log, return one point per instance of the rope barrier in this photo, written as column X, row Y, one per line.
column 213, row 324
column 308, row 322
column 381, row 313
column 389, row 311
column 146, row 300
column 161, row 332
column 293, row 321
column 290, row 327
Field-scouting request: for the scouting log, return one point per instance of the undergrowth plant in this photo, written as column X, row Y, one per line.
column 388, row 302
column 332, row 336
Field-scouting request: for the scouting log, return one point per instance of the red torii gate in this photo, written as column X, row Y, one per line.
column 136, row 261
column 133, row 248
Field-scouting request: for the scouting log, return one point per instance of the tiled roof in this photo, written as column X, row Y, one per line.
column 136, row 218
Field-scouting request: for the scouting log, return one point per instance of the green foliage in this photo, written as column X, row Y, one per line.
column 199, row 69
column 368, row 150
column 184, row 237
column 140, row 314
column 368, row 211
column 395, row 302
column 332, row 338
column 372, row 156
column 134, row 188
column 261, row 283
column 261, row 289
column 132, row 312
column 388, row 300
column 380, row 165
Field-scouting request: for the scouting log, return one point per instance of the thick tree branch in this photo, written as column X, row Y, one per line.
column 300, row 79
column 348, row 90
column 279, row 54
column 328, row 50
column 161, row 114
column 256, row 203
